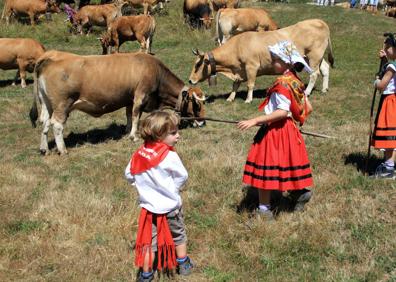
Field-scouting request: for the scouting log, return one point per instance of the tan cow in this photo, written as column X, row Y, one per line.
column 96, row 15
column 197, row 13
column 246, row 55
column 129, row 28
column 219, row 4
column 31, row 8
column 20, row 54
column 391, row 12
column 230, row 22
column 102, row 84
column 148, row 5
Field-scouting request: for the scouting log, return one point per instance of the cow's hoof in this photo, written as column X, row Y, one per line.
column 43, row 152
column 23, row 86
column 230, row 100
column 324, row 91
column 248, row 101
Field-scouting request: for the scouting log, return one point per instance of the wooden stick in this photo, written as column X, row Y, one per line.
column 235, row 122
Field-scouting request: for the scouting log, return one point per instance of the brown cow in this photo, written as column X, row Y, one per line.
column 391, row 12
column 230, row 22
column 197, row 13
column 21, row 54
column 102, row 84
column 98, row 15
column 219, row 4
column 148, row 5
column 129, row 28
column 31, row 8
column 246, row 55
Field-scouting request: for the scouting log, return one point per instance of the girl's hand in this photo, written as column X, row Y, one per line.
column 382, row 53
column 246, row 124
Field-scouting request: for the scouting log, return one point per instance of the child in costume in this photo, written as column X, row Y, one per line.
column 384, row 136
column 158, row 174
column 278, row 159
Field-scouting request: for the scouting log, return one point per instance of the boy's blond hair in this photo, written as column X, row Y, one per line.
column 157, row 125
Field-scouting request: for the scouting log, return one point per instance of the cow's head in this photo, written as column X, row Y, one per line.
column 206, row 21
column 201, row 69
column 105, row 42
column 192, row 105
column 52, row 6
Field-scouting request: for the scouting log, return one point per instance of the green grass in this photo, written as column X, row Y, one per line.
column 74, row 218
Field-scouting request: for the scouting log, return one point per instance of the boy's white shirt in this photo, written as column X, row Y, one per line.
column 159, row 186
column 391, row 87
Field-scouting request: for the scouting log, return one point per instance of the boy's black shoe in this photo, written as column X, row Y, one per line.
column 382, row 172
column 185, row 268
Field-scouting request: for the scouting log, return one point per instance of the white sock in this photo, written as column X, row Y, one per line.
column 263, row 207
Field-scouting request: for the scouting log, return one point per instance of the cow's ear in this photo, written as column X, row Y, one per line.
column 185, row 93
column 206, row 61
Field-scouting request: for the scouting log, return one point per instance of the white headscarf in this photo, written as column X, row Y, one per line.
column 288, row 53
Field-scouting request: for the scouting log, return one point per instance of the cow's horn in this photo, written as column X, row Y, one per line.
column 195, row 51
column 198, row 98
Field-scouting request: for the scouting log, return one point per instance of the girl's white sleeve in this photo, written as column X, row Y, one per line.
column 128, row 175
column 175, row 167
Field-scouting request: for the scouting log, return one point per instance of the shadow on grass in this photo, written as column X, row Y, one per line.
column 250, row 202
column 8, row 82
column 94, row 136
column 257, row 94
column 359, row 161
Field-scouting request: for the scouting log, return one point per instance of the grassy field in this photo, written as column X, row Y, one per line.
column 74, row 218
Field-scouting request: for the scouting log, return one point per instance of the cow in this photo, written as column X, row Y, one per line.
column 98, row 15
column 129, row 28
column 20, row 54
column 78, row 4
column 31, row 8
column 219, row 4
column 197, row 13
column 391, row 12
column 148, row 5
column 246, row 55
column 99, row 84
column 230, row 22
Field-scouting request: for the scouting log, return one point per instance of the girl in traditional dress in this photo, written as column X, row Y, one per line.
column 384, row 136
column 158, row 174
column 278, row 159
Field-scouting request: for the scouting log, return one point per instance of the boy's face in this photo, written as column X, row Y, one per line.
column 172, row 138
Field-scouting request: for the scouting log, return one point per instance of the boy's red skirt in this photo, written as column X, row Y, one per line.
column 384, row 136
column 278, row 159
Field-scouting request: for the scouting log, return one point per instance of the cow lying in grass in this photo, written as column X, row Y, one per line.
column 129, row 28
column 20, row 54
column 102, row 84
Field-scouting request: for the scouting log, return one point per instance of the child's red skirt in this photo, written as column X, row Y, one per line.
column 384, row 136
column 278, row 159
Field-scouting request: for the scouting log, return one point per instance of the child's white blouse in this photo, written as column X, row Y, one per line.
column 159, row 186
column 277, row 101
column 391, row 87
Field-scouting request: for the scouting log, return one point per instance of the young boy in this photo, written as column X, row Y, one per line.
column 158, row 174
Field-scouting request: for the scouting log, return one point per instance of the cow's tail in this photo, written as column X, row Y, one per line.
column 219, row 33
column 33, row 114
column 152, row 30
column 4, row 10
column 330, row 55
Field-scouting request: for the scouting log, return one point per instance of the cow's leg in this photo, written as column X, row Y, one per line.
column 32, row 20
column 22, row 72
column 145, row 8
column 235, row 87
column 58, row 134
column 45, row 118
column 312, row 81
column 136, row 113
column 251, row 73
column 325, row 71
column 128, row 112
column 17, row 75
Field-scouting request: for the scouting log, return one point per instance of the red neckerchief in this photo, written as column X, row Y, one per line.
column 292, row 88
column 149, row 155
column 165, row 243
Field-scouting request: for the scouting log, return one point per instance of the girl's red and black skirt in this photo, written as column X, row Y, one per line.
column 384, row 135
column 277, row 159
